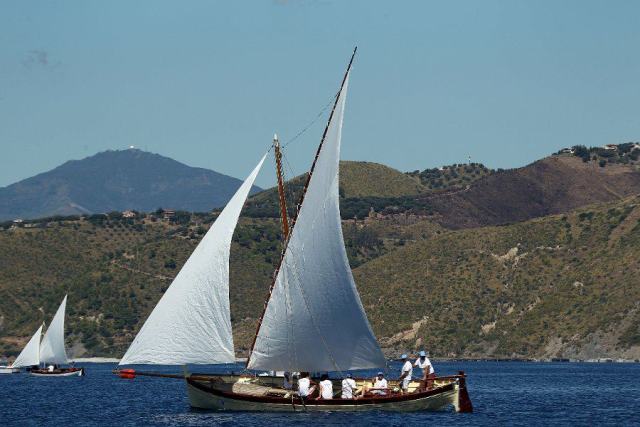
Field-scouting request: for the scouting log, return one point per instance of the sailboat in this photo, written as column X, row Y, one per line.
column 313, row 319
column 29, row 356
column 50, row 351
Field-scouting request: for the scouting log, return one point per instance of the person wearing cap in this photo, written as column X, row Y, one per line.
column 405, row 373
column 348, row 387
column 380, row 384
column 424, row 363
column 428, row 372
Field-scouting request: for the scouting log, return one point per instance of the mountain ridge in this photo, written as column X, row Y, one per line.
column 117, row 180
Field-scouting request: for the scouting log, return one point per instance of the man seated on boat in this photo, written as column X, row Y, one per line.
column 287, row 383
column 326, row 387
column 405, row 373
column 305, row 389
column 348, row 387
column 380, row 385
column 428, row 372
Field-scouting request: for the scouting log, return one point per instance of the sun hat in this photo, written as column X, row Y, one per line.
column 380, row 373
column 404, row 356
column 422, row 353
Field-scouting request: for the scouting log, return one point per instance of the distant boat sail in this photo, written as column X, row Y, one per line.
column 52, row 349
column 192, row 322
column 313, row 319
column 30, row 354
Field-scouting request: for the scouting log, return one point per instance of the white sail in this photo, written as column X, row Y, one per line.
column 191, row 324
column 52, row 347
column 314, row 320
column 30, row 354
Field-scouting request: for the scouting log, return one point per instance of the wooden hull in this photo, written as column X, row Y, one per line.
column 214, row 396
column 9, row 370
column 70, row 372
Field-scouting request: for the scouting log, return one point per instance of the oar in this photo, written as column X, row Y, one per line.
column 130, row 374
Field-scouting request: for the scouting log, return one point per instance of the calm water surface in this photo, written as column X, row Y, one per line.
column 503, row 393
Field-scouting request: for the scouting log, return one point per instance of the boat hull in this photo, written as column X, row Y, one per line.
column 210, row 397
column 71, row 372
column 9, row 370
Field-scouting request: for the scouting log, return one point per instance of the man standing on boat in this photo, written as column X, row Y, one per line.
column 428, row 372
column 405, row 373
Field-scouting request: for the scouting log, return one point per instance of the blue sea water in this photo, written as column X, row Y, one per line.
column 503, row 394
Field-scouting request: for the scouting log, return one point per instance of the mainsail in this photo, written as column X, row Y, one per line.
column 30, row 354
column 314, row 319
column 192, row 322
column 52, row 347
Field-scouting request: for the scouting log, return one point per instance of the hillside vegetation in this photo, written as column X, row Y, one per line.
column 563, row 285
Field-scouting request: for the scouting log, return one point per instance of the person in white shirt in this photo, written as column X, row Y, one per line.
column 326, row 387
column 380, row 384
column 424, row 363
column 405, row 373
column 304, row 385
column 348, row 387
column 428, row 373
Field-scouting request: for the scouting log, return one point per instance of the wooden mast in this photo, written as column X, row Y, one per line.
column 283, row 201
column 304, row 192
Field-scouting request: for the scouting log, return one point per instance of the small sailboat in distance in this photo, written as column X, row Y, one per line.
column 30, row 354
column 52, row 353
column 313, row 319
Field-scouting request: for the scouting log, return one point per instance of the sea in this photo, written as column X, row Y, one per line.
column 503, row 394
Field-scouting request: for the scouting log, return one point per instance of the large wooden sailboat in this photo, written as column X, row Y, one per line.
column 52, row 353
column 313, row 320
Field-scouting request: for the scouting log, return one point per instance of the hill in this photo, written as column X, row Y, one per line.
column 359, row 181
column 552, row 185
column 116, row 181
column 558, row 286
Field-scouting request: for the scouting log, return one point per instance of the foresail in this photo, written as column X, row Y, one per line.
column 314, row 320
column 191, row 324
column 52, row 347
column 30, row 354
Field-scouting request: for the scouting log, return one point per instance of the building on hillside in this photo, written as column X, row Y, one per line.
column 168, row 214
column 128, row 214
column 610, row 146
column 567, row 151
column 18, row 221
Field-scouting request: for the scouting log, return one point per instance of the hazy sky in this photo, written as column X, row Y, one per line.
column 207, row 83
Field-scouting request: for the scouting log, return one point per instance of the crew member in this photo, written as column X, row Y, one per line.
column 428, row 373
column 326, row 387
column 304, row 385
column 348, row 387
column 380, row 384
column 405, row 373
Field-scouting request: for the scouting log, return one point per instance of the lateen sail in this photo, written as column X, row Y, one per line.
column 192, row 322
column 30, row 354
column 314, row 320
column 52, row 347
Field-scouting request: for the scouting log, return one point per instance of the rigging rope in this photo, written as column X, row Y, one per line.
column 315, row 119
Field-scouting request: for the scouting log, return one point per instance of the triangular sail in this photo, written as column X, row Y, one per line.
column 30, row 354
column 314, row 320
column 191, row 324
column 52, row 347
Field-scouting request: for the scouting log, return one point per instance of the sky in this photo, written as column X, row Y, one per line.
column 208, row 82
